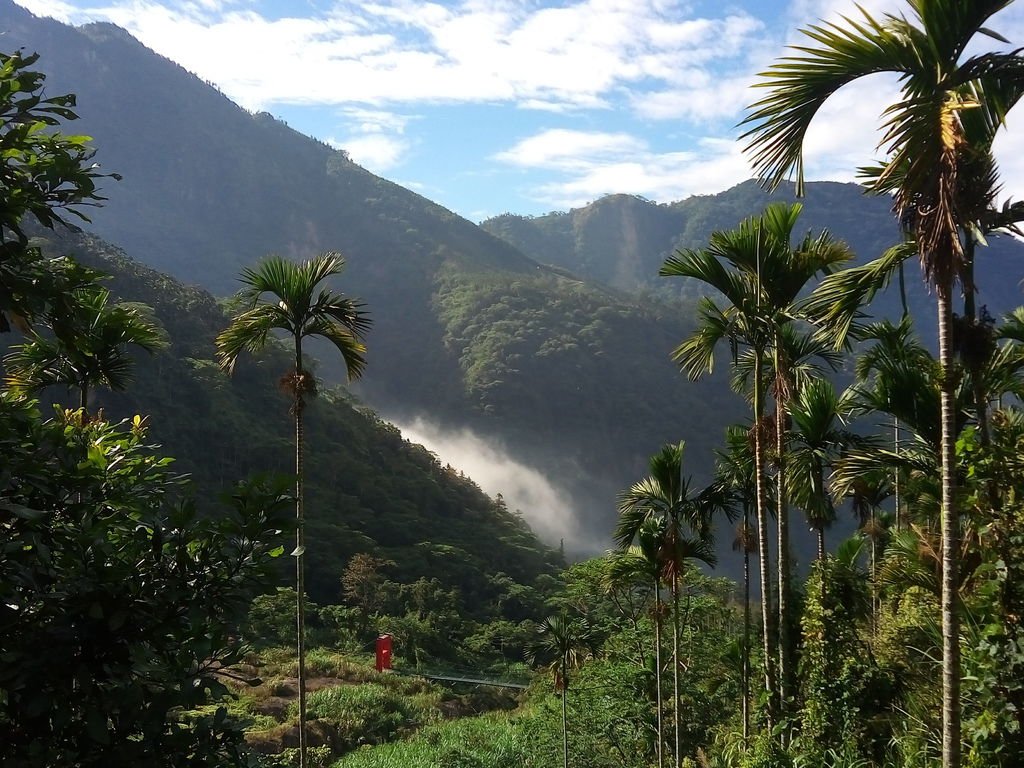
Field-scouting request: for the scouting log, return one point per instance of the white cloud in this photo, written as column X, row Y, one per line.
column 374, row 138
column 579, row 55
column 563, row 149
column 375, row 152
column 596, row 164
column 704, row 98
column 805, row 12
column 53, row 8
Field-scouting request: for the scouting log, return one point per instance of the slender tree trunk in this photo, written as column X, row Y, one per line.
column 565, row 719
column 820, row 531
column 675, row 665
column 83, row 402
column 746, row 627
column 782, row 520
column 873, row 541
column 300, row 553
column 896, row 472
column 657, row 670
column 767, row 614
column 950, row 542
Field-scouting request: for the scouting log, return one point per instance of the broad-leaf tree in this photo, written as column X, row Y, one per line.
column 44, row 174
column 119, row 601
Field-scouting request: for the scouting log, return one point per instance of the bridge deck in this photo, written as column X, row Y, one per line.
column 472, row 680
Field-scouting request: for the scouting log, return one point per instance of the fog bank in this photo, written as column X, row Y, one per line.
column 547, row 508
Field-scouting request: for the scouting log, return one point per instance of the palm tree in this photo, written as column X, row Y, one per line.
column 683, row 533
column 643, row 559
column 734, row 473
column 930, row 154
column 819, row 438
column 761, row 274
column 281, row 295
column 90, row 347
column 564, row 641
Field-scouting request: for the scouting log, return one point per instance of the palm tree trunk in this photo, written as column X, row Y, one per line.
column 565, row 719
column 300, row 554
column 950, row 541
column 896, row 471
column 675, row 664
column 782, row 520
column 820, row 531
column 767, row 614
column 657, row 671
column 746, row 628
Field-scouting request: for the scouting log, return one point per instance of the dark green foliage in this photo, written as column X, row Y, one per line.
column 994, row 652
column 766, row 753
column 118, row 603
column 368, row 490
column 581, row 360
column 43, row 174
column 622, row 241
column 847, row 697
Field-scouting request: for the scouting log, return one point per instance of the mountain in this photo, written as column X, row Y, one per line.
column 550, row 342
column 570, row 378
column 622, row 241
column 367, row 489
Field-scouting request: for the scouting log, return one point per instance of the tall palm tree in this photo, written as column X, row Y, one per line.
column 565, row 642
column 280, row 295
column 643, row 559
column 930, row 153
column 819, row 438
column 761, row 274
column 90, row 347
column 734, row 472
column 683, row 533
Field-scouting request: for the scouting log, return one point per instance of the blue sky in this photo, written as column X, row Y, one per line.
column 524, row 106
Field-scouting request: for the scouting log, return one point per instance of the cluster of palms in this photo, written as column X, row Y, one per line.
column 943, row 181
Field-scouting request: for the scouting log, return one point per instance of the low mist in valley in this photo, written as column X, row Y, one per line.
column 548, row 508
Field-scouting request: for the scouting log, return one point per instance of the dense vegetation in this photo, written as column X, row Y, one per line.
column 169, row 639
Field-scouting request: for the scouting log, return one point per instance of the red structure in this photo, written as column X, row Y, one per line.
column 383, row 652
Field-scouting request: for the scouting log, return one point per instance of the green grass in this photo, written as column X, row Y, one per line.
column 487, row 741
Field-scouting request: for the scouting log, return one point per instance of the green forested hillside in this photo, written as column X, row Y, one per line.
column 368, row 489
column 581, row 360
column 622, row 240
column 209, row 187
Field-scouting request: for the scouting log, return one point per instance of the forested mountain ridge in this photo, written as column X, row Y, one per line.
column 622, row 240
column 529, row 351
column 209, row 188
column 368, row 489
